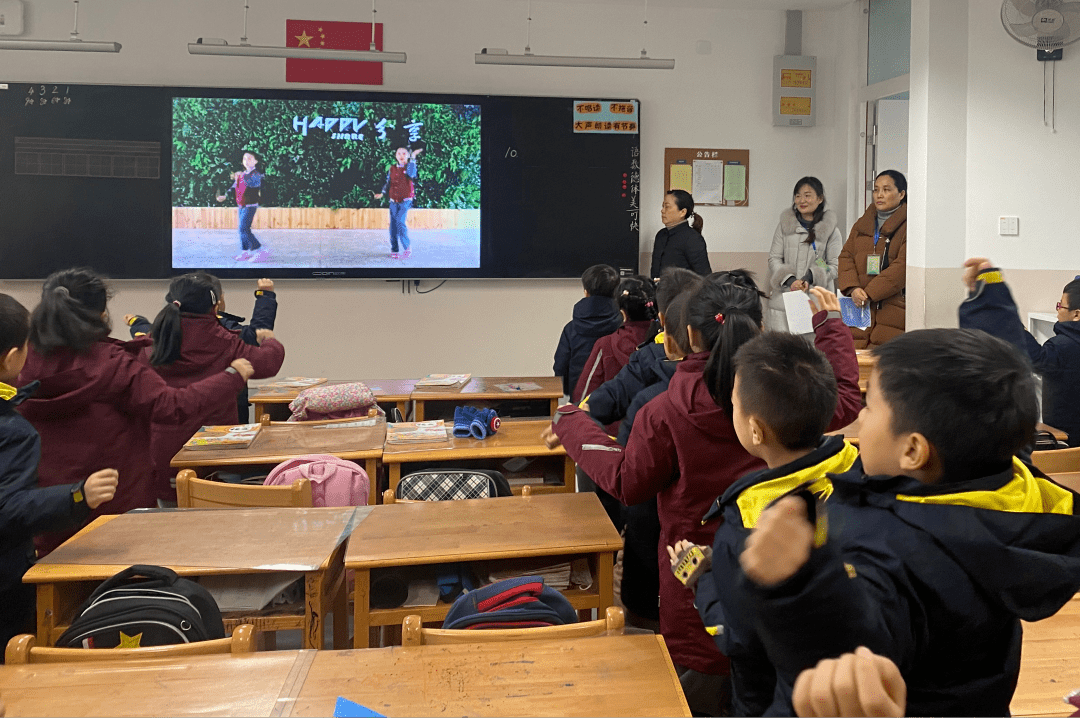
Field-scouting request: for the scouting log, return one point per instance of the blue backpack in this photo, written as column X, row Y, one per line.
column 516, row 603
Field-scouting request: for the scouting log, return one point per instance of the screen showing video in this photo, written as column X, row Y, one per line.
column 264, row 183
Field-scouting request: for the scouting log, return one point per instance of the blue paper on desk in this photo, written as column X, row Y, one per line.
column 854, row 316
column 346, row 708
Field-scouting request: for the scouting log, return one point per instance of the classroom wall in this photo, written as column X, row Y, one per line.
column 1009, row 163
column 369, row 328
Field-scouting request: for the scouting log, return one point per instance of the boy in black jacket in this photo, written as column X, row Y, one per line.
column 595, row 316
column 938, row 540
column 263, row 317
column 25, row 508
column 990, row 307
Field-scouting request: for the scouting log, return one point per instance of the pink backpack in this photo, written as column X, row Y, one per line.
column 335, row 482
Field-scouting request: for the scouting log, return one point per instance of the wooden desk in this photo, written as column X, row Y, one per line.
column 600, row 676
column 426, row 533
column 61, row 588
column 386, row 391
column 281, row 442
column 1070, row 480
column 515, row 438
column 850, row 433
column 1054, row 432
column 1050, row 664
column 484, row 390
column 866, row 365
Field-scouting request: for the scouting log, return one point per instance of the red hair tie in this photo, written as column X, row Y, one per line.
column 719, row 317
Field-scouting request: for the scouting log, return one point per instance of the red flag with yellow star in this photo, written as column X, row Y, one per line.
column 333, row 36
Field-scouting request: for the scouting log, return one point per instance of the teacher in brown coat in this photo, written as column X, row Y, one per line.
column 873, row 262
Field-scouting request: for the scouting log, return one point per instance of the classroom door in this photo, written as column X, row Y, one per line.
column 887, row 138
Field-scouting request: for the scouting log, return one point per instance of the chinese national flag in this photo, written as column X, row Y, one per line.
column 333, row 36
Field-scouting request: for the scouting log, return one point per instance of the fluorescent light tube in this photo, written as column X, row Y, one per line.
column 76, row 45
column 642, row 63
column 302, row 53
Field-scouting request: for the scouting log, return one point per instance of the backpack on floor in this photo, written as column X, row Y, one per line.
column 335, row 482
column 516, row 603
column 144, row 606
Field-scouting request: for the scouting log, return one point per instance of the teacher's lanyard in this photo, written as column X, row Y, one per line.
column 877, row 234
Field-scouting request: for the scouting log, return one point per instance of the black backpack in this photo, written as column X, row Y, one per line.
column 144, row 606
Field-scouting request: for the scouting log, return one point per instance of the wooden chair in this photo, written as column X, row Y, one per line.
column 388, row 497
column 193, row 492
column 413, row 633
column 22, row 650
column 1057, row 461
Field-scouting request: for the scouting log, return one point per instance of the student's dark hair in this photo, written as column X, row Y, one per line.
column 728, row 316
column 685, row 201
column 70, row 312
column 673, row 282
column 1072, row 291
column 636, row 297
column 600, row 280
column 899, row 180
column 215, row 284
column 14, row 323
column 192, row 293
column 675, row 320
column 971, row 395
column 789, row 385
column 257, row 156
column 814, row 184
column 740, row 277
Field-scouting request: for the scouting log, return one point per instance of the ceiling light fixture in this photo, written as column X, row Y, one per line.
column 75, row 43
column 217, row 46
column 498, row 56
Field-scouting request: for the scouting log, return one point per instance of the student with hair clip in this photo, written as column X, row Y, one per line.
column 679, row 243
column 805, row 248
column 189, row 344
column 635, row 298
column 683, row 450
column 97, row 399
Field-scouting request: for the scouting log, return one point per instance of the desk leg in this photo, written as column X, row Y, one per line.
column 554, row 406
column 403, row 407
column 361, row 608
column 371, row 466
column 395, row 476
column 606, row 582
column 341, row 611
column 418, row 408
column 260, row 409
column 313, row 610
column 48, row 607
column 569, row 475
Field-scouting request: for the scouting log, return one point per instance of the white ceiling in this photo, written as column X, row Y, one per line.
column 718, row 4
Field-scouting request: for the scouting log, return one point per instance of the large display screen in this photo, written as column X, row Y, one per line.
column 324, row 184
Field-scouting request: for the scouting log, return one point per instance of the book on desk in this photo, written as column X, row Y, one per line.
column 443, row 380
column 237, row 436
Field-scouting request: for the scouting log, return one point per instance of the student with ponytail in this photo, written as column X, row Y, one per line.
column 189, row 345
column 683, row 450
column 97, row 399
column 636, row 299
column 679, row 243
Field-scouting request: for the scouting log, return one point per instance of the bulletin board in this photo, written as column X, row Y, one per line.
column 719, row 178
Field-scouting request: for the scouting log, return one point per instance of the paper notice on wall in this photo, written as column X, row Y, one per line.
column 800, row 318
column 682, row 178
column 708, row 182
column 734, row 183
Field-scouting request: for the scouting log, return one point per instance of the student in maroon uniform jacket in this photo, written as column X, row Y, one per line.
column 683, row 450
column 636, row 299
column 96, row 400
column 190, row 345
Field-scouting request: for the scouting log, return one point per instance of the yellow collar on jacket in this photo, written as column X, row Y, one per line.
column 1024, row 493
column 7, row 391
column 753, row 500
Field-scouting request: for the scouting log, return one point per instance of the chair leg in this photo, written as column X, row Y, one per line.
column 341, row 618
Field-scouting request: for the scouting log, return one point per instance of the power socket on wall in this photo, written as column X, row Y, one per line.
column 11, row 17
column 1008, row 226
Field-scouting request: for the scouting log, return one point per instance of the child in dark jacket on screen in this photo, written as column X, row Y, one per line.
column 939, row 541
column 683, row 450
column 97, row 398
column 25, row 508
column 783, row 400
column 594, row 317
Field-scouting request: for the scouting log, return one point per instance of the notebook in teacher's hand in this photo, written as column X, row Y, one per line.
column 238, row 436
column 443, row 380
column 853, row 315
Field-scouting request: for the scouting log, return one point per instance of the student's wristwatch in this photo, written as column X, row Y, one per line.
column 231, row 370
column 77, row 494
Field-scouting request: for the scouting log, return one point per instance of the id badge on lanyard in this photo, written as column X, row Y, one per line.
column 873, row 260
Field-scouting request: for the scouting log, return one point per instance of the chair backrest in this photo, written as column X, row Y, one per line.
column 389, row 498
column 22, row 650
column 194, row 492
column 437, row 485
column 1057, row 461
column 413, row 633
